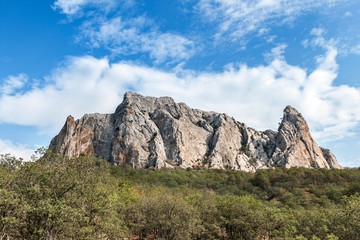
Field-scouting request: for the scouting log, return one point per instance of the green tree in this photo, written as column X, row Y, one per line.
column 241, row 217
column 11, row 205
column 66, row 198
column 349, row 226
column 205, row 205
column 163, row 217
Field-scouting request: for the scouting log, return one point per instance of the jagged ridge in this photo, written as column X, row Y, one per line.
column 149, row 131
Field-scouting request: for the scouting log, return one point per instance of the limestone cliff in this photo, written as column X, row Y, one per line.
column 149, row 131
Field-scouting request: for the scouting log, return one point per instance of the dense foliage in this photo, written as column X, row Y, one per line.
column 87, row 198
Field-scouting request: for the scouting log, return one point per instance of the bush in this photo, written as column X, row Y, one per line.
column 164, row 217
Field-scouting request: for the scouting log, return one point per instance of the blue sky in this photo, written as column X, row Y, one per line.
column 248, row 59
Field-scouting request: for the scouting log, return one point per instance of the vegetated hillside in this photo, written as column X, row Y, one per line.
column 88, row 198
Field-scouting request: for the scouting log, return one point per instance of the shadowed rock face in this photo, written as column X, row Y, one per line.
column 149, row 131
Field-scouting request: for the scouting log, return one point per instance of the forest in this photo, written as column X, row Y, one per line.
column 57, row 197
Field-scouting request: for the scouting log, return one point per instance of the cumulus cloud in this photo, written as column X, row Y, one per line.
column 137, row 35
column 254, row 95
column 75, row 89
column 239, row 18
column 16, row 150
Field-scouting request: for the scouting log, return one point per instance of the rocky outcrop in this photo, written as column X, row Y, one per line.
column 295, row 146
column 149, row 131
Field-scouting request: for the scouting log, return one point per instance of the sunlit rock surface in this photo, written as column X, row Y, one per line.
column 149, row 131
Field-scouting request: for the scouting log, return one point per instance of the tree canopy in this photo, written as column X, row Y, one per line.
column 57, row 197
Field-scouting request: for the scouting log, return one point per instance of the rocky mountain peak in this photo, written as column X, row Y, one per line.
column 295, row 145
column 158, row 132
column 292, row 117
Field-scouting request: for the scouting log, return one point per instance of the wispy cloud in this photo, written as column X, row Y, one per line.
column 136, row 35
column 344, row 46
column 5, row 59
column 76, row 7
column 276, row 53
column 348, row 14
column 355, row 50
column 12, row 83
column 238, row 18
column 104, row 27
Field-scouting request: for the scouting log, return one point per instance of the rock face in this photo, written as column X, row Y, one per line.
column 149, row 131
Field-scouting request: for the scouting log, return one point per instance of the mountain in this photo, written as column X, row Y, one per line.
column 149, row 131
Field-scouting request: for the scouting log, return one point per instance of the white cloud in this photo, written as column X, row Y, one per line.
column 131, row 36
column 237, row 18
column 16, row 150
column 355, row 50
column 319, row 40
column 75, row 89
column 103, row 27
column 344, row 46
column 276, row 52
column 73, row 7
column 318, row 32
column 13, row 83
column 348, row 14
column 254, row 95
